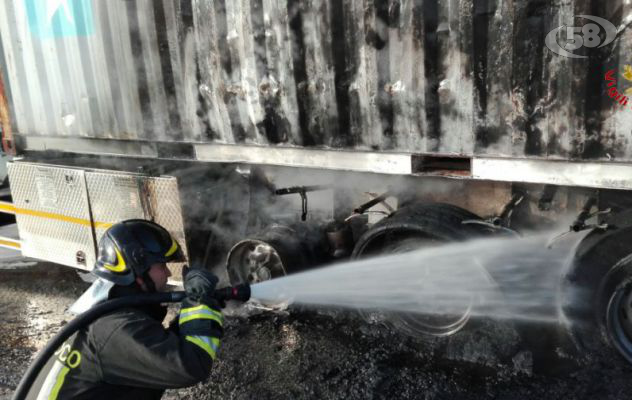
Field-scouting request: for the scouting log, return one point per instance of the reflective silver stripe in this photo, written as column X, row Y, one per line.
column 188, row 310
column 205, row 312
column 200, row 312
column 51, row 380
column 206, row 343
column 207, row 340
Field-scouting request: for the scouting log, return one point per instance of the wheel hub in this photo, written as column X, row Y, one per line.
column 442, row 321
column 254, row 261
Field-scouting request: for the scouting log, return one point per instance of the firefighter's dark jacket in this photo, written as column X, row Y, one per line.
column 128, row 354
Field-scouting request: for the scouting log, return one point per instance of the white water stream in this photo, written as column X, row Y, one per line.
column 506, row 278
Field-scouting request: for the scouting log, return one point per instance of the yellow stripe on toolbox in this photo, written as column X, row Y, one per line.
column 10, row 243
column 49, row 215
column 7, row 207
column 12, row 209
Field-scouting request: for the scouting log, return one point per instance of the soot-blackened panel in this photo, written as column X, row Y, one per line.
column 439, row 76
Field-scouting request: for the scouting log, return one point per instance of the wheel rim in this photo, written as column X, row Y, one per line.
column 432, row 325
column 254, row 261
column 619, row 321
column 436, row 325
column 442, row 322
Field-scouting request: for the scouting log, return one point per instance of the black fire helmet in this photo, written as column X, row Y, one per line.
column 129, row 248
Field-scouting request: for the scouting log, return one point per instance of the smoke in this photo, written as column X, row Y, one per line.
column 351, row 189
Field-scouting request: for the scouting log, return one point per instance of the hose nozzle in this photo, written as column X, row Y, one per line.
column 240, row 292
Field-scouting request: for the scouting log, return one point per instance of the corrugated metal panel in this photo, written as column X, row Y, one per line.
column 120, row 76
column 455, row 76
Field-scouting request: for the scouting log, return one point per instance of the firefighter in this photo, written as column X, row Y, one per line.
column 128, row 354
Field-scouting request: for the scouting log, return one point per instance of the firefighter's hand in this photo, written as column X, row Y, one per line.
column 199, row 285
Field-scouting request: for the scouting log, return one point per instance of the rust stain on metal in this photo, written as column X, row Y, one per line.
column 5, row 122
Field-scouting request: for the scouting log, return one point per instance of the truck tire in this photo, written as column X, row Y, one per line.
column 417, row 226
column 436, row 222
column 593, row 293
column 615, row 307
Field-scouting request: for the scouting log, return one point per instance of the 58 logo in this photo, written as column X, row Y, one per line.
column 563, row 40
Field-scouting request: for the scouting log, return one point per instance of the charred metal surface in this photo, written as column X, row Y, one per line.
column 613, row 128
column 441, row 165
column 141, row 71
column 597, row 142
column 384, row 19
column 273, row 125
column 180, row 151
column 418, row 76
column 341, row 74
column 483, row 12
column 431, row 17
column 295, row 20
column 169, row 81
column 558, row 78
column 214, row 66
column 527, row 76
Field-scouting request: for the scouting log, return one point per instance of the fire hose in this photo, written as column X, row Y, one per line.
column 238, row 293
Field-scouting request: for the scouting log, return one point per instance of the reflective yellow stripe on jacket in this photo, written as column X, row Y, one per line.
column 200, row 312
column 58, row 384
column 209, row 344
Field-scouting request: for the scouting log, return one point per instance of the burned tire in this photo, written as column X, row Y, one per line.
column 420, row 226
column 596, row 293
column 265, row 256
column 433, row 325
column 277, row 251
column 436, row 222
column 616, row 307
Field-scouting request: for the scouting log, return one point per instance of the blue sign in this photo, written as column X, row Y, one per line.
column 60, row 18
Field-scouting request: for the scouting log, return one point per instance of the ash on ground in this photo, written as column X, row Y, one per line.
column 325, row 354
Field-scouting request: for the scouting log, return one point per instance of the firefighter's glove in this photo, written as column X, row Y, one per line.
column 199, row 285
column 200, row 319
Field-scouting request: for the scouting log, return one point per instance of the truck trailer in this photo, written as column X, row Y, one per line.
column 271, row 137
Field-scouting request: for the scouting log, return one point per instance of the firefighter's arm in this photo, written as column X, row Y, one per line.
column 140, row 352
column 192, row 350
column 200, row 320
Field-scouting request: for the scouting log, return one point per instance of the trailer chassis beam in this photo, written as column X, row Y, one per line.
column 592, row 174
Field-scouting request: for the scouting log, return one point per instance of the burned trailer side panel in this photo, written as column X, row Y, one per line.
column 96, row 69
column 16, row 57
column 540, row 101
column 617, row 120
column 460, row 77
column 455, row 91
column 213, row 67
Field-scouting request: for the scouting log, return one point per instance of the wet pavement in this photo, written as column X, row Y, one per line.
column 304, row 354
